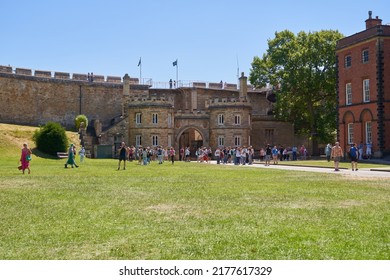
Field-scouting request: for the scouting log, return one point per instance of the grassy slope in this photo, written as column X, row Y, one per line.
column 188, row 211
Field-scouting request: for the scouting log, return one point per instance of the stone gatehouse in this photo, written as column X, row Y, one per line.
column 196, row 116
column 122, row 109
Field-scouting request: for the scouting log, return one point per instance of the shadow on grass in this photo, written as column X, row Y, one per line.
column 40, row 154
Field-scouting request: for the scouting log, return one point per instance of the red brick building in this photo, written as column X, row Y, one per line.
column 363, row 88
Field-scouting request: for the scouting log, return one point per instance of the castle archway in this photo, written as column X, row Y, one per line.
column 192, row 137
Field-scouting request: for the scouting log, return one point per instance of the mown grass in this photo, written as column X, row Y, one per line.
column 188, row 211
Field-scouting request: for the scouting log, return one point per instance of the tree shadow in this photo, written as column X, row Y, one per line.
column 40, row 154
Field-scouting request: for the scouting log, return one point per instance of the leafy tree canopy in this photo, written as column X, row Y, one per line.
column 81, row 119
column 302, row 69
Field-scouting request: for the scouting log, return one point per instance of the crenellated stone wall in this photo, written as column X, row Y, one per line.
column 35, row 100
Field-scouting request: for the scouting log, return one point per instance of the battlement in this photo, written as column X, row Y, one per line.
column 143, row 100
column 228, row 102
column 64, row 76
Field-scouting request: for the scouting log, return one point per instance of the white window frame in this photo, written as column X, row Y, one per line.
column 221, row 119
column 368, row 129
column 237, row 140
column 348, row 93
column 221, row 140
column 237, row 119
column 155, row 118
column 138, row 118
column 350, row 133
column 366, row 90
column 138, row 140
column 155, row 140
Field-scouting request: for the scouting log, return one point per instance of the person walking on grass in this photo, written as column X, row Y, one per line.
column 25, row 158
column 82, row 154
column 337, row 153
column 172, row 154
column 122, row 155
column 71, row 154
column 354, row 155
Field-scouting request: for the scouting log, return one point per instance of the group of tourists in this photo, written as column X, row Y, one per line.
column 144, row 155
column 225, row 155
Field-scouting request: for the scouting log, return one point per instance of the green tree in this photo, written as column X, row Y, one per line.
column 302, row 69
column 79, row 119
column 51, row 138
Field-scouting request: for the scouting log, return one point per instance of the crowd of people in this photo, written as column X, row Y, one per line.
column 225, row 155
column 145, row 155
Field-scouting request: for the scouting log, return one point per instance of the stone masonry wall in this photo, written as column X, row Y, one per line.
column 36, row 100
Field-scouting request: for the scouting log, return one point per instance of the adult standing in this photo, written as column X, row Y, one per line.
column 160, row 155
column 354, row 155
column 217, row 155
column 25, row 158
column 368, row 150
column 275, row 154
column 122, row 155
column 268, row 154
column 337, row 153
column 82, row 154
column 328, row 152
column 294, row 152
column 361, row 146
column 172, row 154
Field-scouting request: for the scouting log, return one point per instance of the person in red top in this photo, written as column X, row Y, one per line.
column 25, row 158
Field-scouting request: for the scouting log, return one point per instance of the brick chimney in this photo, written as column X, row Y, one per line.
column 372, row 22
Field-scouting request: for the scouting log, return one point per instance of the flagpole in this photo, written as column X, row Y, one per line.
column 140, row 70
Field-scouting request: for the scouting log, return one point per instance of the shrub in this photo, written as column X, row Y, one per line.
column 51, row 138
column 79, row 119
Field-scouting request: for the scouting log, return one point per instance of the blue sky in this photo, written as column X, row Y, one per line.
column 210, row 39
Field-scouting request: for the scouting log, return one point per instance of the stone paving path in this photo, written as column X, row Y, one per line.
column 361, row 173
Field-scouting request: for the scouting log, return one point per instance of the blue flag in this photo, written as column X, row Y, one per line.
column 139, row 62
column 175, row 63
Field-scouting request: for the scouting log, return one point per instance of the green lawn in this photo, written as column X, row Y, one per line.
column 187, row 211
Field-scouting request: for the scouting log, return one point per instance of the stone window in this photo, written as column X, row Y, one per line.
column 221, row 119
column 154, row 118
column 138, row 119
column 347, row 61
column 350, row 133
column 138, row 140
column 365, row 56
column 348, row 94
column 237, row 119
column 154, row 140
column 237, row 140
column 366, row 90
column 221, row 140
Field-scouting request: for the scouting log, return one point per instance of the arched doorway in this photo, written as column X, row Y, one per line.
column 191, row 137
